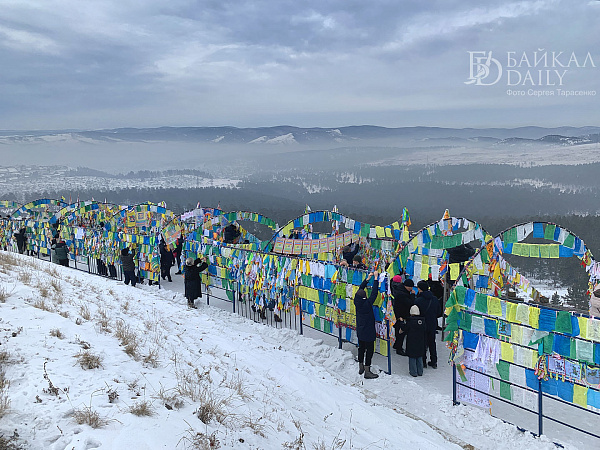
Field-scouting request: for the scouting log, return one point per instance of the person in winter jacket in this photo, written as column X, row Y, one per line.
column 231, row 234
column 429, row 307
column 415, row 330
column 403, row 299
column 192, row 281
column 21, row 238
column 166, row 261
column 365, row 325
column 55, row 233
column 61, row 252
column 349, row 252
column 357, row 263
column 177, row 253
column 128, row 266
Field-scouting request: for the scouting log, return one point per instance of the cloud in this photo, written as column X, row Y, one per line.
column 183, row 62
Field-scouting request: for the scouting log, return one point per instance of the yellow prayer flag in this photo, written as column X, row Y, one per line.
column 454, row 270
column 382, row 347
column 534, row 317
column 507, row 352
column 580, row 395
column 388, row 233
column 424, row 271
column 396, row 225
column 379, row 232
column 494, row 306
column 583, row 327
column 405, row 235
column 511, row 312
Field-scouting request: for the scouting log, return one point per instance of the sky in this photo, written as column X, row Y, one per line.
column 270, row 386
column 118, row 63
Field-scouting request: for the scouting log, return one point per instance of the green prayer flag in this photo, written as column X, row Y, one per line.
column 549, row 232
column 563, row 323
column 547, row 344
column 554, row 250
column 460, row 292
column 466, row 320
column 569, row 241
column 503, row 369
column 544, row 251
column 317, row 323
column 481, row 303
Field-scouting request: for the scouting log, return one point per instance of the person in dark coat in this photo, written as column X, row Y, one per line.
column 349, row 252
column 403, row 298
column 357, row 263
column 429, row 307
column 55, row 233
column 231, row 234
column 365, row 325
column 415, row 330
column 192, row 281
column 177, row 253
column 21, row 238
column 61, row 252
column 166, row 261
column 128, row 266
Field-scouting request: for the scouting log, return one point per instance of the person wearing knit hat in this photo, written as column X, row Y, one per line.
column 365, row 325
column 402, row 299
column 415, row 330
column 429, row 306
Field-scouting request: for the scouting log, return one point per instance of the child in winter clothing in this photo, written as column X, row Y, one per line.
column 415, row 329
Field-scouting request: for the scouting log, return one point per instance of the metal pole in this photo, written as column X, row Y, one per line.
column 340, row 338
column 540, row 412
column 300, row 318
column 454, row 402
column 234, row 297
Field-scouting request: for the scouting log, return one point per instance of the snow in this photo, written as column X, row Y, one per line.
column 277, row 388
column 258, row 140
column 283, row 139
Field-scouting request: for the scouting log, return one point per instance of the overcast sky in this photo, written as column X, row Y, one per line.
column 116, row 63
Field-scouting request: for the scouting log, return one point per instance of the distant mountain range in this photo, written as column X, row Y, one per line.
column 288, row 135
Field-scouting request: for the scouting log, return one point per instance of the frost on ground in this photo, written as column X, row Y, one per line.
column 87, row 363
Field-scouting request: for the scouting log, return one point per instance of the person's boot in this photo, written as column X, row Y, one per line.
column 361, row 368
column 277, row 318
column 370, row 375
column 263, row 314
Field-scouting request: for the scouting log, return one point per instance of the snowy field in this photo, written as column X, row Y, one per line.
column 171, row 377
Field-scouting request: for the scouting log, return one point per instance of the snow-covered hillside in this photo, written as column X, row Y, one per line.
column 207, row 378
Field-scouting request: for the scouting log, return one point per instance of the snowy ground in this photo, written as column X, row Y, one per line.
column 206, row 375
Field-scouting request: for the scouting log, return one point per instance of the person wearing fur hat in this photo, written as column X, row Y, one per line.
column 191, row 279
column 365, row 325
column 415, row 330
column 403, row 298
column 429, row 307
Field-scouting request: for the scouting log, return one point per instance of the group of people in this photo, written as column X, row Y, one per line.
column 169, row 255
column 416, row 323
column 191, row 270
